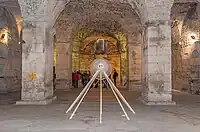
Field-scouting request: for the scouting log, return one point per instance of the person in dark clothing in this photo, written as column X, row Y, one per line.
column 115, row 75
column 54, row 78
column 86, row 78
column 73, row 79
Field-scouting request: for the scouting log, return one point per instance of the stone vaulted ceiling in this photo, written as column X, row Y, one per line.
column 99, row 14
column 12, row 5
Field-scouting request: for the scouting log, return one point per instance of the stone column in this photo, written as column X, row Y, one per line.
column 36, row 77
column 63, row 66
column 134, row 61
column 157, row 63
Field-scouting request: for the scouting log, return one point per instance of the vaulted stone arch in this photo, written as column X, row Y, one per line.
column 57, row 6
column 10, row 52
column 184, row 42
column 105, row 21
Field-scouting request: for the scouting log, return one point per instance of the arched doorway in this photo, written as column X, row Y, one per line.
column 76, row 31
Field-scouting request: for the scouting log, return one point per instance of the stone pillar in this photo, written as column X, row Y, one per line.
column 156, row 69
column 134, row 61
column 63, row 66
column 157, row 63
column 36, row 77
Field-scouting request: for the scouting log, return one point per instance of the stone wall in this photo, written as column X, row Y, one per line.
column 63, row 55
column 186, row 55
column 10, row 53
column 134, row 61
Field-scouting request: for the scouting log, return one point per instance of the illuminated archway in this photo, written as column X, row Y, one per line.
column 71, row 31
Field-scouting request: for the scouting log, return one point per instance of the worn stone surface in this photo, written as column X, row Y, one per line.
column 157, row 69
column 37, row 77
column 10, row 52
column 185, row 47
column 52, row 118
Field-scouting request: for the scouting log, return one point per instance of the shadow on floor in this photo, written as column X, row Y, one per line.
column 9, row 98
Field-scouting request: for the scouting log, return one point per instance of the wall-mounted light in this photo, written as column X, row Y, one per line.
column 23, row 42
column 3, row 36
column 193, row 37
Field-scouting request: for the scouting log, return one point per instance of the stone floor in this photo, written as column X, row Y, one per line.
column 184, row 117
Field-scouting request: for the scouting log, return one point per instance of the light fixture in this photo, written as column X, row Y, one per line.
column 193, row 37
column 3, row 36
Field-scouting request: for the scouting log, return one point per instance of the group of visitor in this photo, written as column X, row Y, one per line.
column 80, row 79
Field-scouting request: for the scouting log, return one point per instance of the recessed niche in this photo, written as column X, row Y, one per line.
column 195, row 54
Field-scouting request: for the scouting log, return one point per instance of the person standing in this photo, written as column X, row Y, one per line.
column 76, row 78
column 115, row 75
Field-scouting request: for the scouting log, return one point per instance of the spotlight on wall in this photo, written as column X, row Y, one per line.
column 193, row 37
column 3, row 36
column 23, row 42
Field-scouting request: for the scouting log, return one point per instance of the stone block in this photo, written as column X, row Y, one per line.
column 152, row 43
column 157, row 99
column 65, row 84
column 165, row 30
column 36, row 102
column 134, row 84
column 152, row 50
column 62, row 48
column 164, row 50
column 154, row 68
column 38, row 47
column 167, row 87
column 146, row 102
column 2, row 86
column 166, row 77
column 159, row 59
column 39, row 38
column 152, row 32
column 165, row 43
column 168, row 68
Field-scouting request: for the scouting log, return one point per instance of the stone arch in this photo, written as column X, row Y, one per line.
column 58, row 6
column 130, row 32
column 180, row 17
column 184, row 49
column 10, row 45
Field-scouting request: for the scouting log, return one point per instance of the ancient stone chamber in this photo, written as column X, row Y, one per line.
column 152, row 44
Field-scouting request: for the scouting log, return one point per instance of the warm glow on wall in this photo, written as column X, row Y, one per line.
column 193, row 37
column 19, row 27
column 189, row 43
column 54, row 56
column 4, row 36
